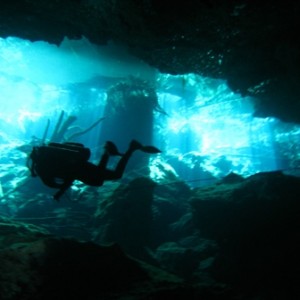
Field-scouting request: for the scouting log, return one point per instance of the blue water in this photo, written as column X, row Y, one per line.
column 207, row 132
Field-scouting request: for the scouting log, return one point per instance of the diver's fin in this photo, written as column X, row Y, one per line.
column 135, row 145
column 150, row 149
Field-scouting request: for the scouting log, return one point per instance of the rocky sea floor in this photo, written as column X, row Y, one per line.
column 137, row 239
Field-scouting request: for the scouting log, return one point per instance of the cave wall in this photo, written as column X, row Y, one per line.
column 254, row 45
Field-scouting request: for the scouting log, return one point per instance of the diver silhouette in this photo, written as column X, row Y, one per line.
column 59, row 164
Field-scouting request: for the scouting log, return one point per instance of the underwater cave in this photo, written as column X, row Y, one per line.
column 215, row 214
column 204, row 129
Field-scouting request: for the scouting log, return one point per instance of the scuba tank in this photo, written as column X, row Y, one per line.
column 68, row 150
column 60, row 154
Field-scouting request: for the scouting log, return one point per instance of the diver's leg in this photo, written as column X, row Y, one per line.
column 66, row 185
column 104, row 160
column 95, row 175
column 117, row 173
column 109, row 149
column 120, row 168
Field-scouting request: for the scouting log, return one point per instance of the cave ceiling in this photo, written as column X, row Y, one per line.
column 254, row 45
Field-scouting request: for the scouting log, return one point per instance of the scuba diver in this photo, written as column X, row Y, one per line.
column 59, row 164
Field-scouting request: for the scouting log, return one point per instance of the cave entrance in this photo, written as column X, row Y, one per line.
column 204, row 129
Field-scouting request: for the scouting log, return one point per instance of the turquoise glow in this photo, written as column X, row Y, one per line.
column 208, row 131
column 215, row 132
column 37, row 81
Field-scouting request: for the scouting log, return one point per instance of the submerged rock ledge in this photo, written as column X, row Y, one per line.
column 35, row 265
column 236, row 239
column 255, row 222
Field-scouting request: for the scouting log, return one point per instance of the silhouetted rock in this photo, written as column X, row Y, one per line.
column 256, row 225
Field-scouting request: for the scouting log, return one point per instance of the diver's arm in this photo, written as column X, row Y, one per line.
column 51, row 181
column 66, row 185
